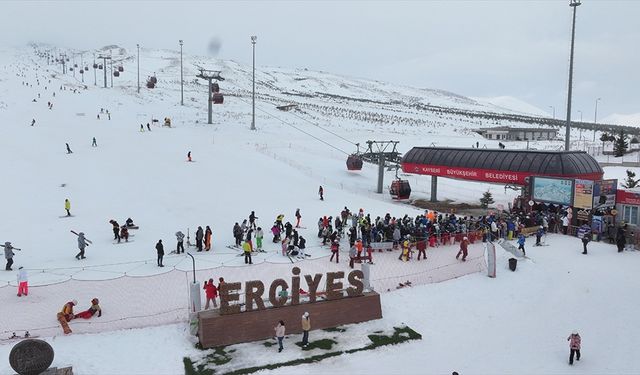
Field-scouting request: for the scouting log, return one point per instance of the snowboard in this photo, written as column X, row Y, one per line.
column 236, row 248
column 64, row 324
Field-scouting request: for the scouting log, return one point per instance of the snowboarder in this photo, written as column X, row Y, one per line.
column 247, row 252
column 68, row 149
column 116, row 229
column 464, row 246
column 67, row 206
column 82, row 244
column 521, row 241
column 180, row 245
column 8, row 254
column 211, row 292
column 160, row 251
column 94, row 143
column 66, row 315
column 259, row 237
column 306, row 327
column 575, row 342
column 199, row 237
column 91, row 311
column 298, row 217
column 189, row 156
column 321, row 193
column 207, row 238
column 23, row 282
column 280, row 330
column 252, row 220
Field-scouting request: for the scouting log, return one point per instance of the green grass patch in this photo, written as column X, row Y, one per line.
column 220, row 356
column 324, row 344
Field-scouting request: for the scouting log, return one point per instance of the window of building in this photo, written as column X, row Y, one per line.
column 630, row 214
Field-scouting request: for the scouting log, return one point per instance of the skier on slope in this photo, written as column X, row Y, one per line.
column 23, row 282
column 259, row 237
column 82, row 244
column 67, row 206
column 298, row 217
column 68, row 149
column 91, row 311
column 321, row 193
column 252, row 220
column 237, row 234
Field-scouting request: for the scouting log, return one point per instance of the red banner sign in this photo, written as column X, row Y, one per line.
column 486, row 175
column 627, row 197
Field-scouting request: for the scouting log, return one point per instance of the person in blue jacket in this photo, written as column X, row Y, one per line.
column 539, row 234
column 521, row 241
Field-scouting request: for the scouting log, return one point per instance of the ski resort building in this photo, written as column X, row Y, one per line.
column 507, row 133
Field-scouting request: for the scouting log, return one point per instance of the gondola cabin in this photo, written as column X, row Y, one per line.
column 121, row 68
column 95, row 66
column 153, row 79
column 116, row 74
column 217, row 98
column 100, row 66
column 400, row 189
column 354, row 162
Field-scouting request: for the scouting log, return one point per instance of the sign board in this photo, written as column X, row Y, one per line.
column 628, row 198
column 552, row 190
column 605, row 191
column 583, row 194
column 582, row 215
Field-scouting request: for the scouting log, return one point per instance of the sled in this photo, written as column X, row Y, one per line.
column 63, row 323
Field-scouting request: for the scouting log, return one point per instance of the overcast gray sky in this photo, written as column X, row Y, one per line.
column 474, row 48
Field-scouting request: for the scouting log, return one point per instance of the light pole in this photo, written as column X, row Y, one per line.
column 138, row 46
column 253, row 96
column 95, row 77
column 595, row 119
column 553, row 109
column 574, row 4
column 181, row 80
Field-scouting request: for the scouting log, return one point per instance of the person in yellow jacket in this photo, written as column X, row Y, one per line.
column 247, row 252
column 67, row 206
column 67, row 310
column 306, row 327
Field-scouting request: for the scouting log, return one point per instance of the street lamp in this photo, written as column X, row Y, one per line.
column 553, row 109
column 574, row 4
column 595, row 119
column 138, row 46
column 253, row 96
column 181, row 80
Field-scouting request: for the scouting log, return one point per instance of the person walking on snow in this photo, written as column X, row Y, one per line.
column 237, row 234
column 335, row 251
column 583, row 234
column 188, row 154
column 8, row 255
column 33, row 122
column 321, row 193
column 246, row 247
column 298, row 217
column 180, row 244
column 539, row 234
column 199, row 237
column 211, row 292
column 160, row 251
column 68, row 149
column 67, row 206
column 82, row 244
column 464, row 245
column 306, row 327
column 621, row 239
column 565, row 224
column 280, row 331
column 207, row 238
column 521, row 240
column 94, row 143
column 23, row 282
column 116, row 230
column 575, row 341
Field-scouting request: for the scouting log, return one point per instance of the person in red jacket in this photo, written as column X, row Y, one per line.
column 463, row 249
column 421, row 245
column 574, row 344
column 211, row 293
column 95, row 308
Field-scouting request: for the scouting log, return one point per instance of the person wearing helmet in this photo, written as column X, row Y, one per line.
column 574, row 345
column 463, row 249
column 95, row 308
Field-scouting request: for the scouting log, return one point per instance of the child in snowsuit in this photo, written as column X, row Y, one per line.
column 124, row 233
column 275, row 229
column 335, row 248
column 95, row 308
column 259, row 237
column 521, row 240
column 463, row 249
column 211, row 293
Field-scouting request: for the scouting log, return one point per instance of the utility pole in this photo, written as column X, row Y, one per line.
column 63, row 59
column 595, row 119
column 254, row 38
column 104, row 66
column 182, row 84
column 209, row 75
column 138, row 46
column 574, row 4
